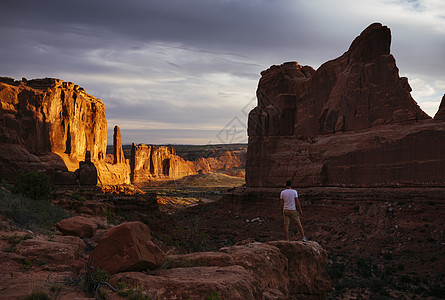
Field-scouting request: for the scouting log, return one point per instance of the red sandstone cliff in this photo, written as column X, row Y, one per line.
column 50, row 125
column 351, row 122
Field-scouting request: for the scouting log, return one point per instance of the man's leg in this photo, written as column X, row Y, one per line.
column 296, row 218
column 286, row 225
column 300, row 228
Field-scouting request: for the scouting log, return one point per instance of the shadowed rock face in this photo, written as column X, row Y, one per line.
column 351, row 122
column 359, row 89
column 440, row 115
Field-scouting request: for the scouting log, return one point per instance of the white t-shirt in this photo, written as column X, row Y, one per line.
column 288, row 196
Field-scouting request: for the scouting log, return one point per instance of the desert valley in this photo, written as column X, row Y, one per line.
column 83, row 219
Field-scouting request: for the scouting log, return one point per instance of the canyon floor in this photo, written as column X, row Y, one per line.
column 383, row 243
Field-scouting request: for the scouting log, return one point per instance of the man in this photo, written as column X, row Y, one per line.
column 290, row 205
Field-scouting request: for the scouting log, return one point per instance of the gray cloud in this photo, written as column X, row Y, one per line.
column 192, row 66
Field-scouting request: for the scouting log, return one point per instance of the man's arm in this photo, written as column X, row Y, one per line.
column 297, row 203
column 282, row 203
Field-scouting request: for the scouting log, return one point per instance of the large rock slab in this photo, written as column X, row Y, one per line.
column 231, row 282
column 199, row 259
column 77, row 226
column 266, row 263
column 127, row 247
column 62, row 250
column 306, row 267
column 275, row 270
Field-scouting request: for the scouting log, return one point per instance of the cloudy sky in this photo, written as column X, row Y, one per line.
column 186, row 71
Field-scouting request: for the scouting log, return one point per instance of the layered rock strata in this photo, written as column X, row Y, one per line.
column 50, row 125
column 351, row 122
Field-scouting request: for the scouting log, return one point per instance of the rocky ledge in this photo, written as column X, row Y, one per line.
column 248, row 270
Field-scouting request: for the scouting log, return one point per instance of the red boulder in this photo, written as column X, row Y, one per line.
column 127, row 247
column 77, row 226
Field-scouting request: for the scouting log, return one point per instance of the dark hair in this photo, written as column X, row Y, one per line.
column 288, row 183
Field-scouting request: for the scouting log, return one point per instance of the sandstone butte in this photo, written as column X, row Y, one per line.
column 55, row 127
column 351, row 122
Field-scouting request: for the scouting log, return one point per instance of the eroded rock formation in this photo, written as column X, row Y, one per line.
column 161, row 162
column 275, row 270
column 50, row 125
column 118, row 153
column 351, row 122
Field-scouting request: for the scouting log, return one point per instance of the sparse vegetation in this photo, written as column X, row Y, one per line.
column 94, row 282
column 130, row 292
column 30, row 205
column 35, row 215
column 33, row 185
column 38, row 295
column 113, row 218
column 13, row 241
column 189, row 239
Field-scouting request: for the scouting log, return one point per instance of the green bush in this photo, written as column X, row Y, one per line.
column 93, row 281
column 38, row 216
column 33, row 185
column 38, row 295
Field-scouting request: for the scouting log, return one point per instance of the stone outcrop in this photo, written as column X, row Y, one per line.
column 118, row 153
column 162, row 163
column 48, row 125
column 252, row 271
column 127, row 247
column 77, row 226
column 49, row 115
column 60, row 250
column 350, row 122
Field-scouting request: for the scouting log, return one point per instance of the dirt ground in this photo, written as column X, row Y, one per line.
column 383, row 243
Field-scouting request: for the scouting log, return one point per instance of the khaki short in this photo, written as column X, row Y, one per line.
column 291, row 214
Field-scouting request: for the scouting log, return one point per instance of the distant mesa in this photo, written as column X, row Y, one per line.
column 351, row 122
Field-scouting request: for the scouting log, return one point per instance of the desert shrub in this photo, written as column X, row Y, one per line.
column 95, row 281
column 113, row 218
column 214, row 296
column 38, row 295
column 31, row 214
column 13, row 241
column 33, row 185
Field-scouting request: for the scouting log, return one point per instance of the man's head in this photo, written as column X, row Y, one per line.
column 288, row 183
